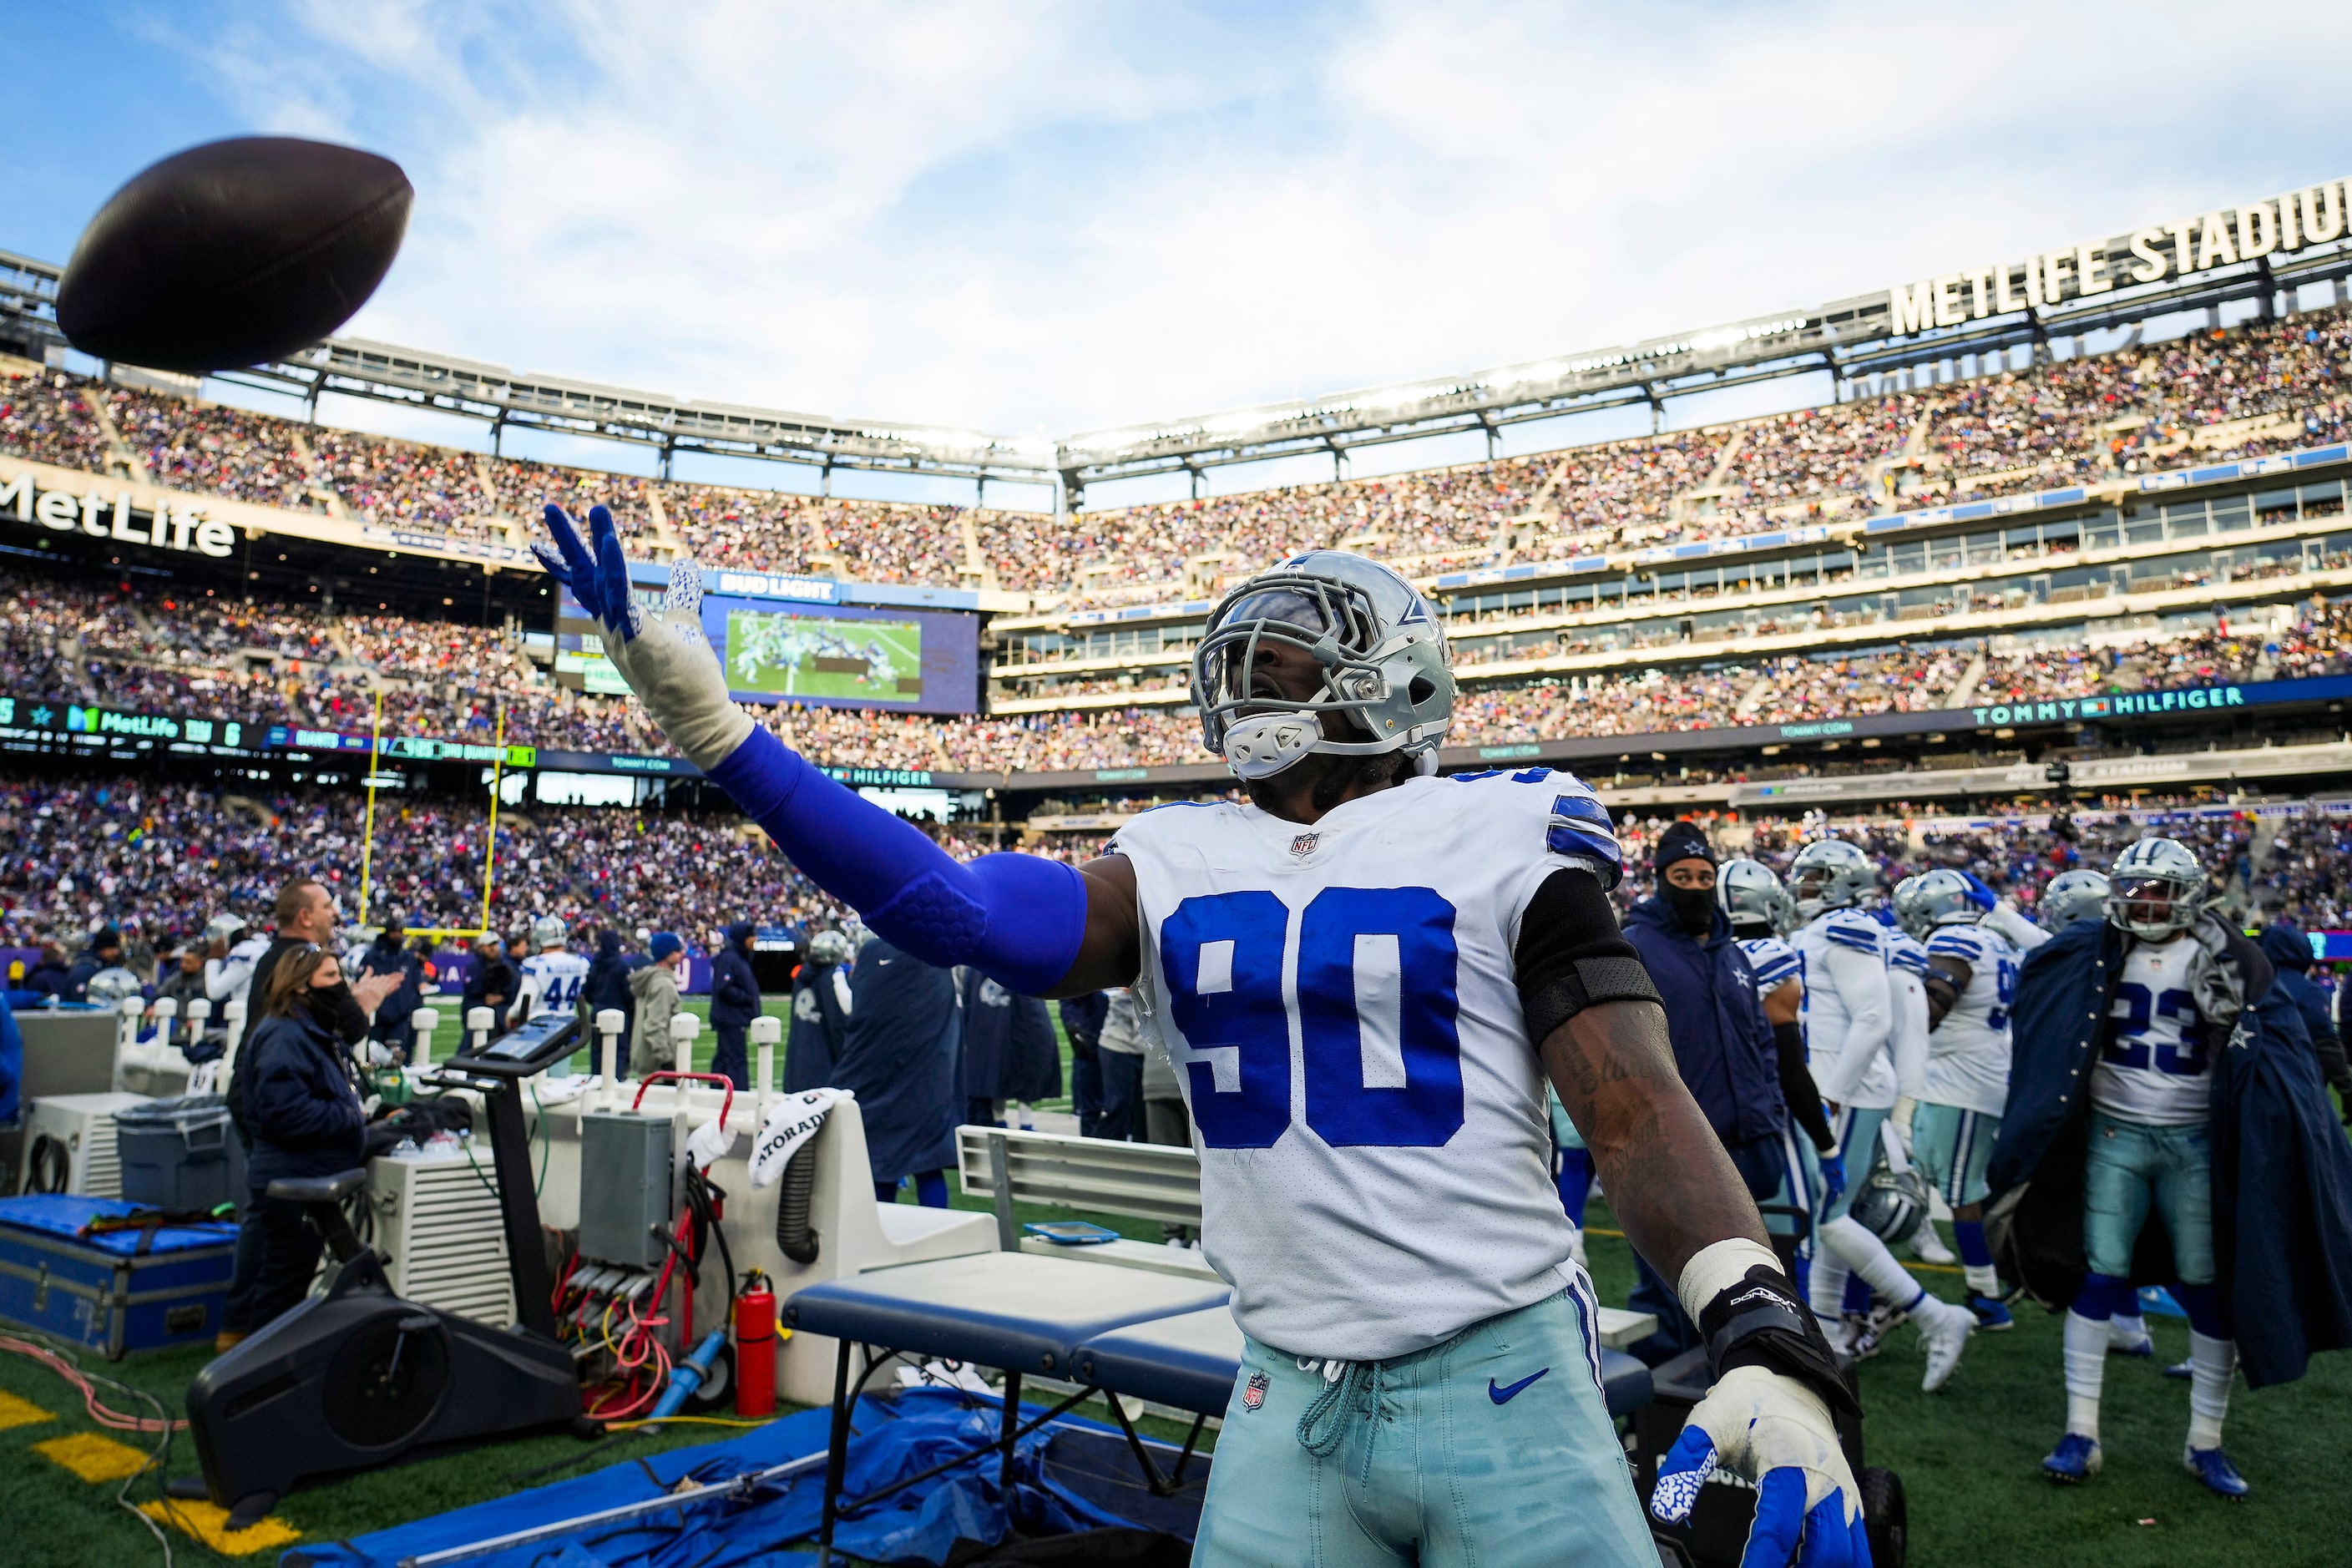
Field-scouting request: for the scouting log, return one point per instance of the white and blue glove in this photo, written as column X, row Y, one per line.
column 664, row 657
column 1767, row 1418
column 1018, row 918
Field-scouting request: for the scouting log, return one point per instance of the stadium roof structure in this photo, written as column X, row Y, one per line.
column 1871, row 334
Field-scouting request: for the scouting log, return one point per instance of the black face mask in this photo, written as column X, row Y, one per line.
column 1693, row 907
column 327, row 1004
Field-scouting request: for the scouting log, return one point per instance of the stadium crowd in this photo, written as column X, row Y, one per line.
column 162, row 860
column 159, row 861
column 2248, row 391
column 267, row 664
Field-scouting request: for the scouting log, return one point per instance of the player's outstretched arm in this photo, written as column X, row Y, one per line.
column 1767, row 1417
column 1036, row 926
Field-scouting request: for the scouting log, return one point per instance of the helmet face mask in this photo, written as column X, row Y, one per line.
column 1376, row 653
column 2156, row 889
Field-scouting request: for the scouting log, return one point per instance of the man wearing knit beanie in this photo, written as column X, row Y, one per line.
column 1721, row 1038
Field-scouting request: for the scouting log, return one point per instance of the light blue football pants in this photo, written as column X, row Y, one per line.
column 1493, row 1449
column 1952, row 1147
column 2133, row 1165
column 1857, row 1136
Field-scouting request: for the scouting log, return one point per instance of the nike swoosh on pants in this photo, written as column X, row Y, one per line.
column 1506, row 1394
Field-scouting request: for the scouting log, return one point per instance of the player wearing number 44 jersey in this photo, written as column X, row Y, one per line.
column 1364, row 976
column 551, row 977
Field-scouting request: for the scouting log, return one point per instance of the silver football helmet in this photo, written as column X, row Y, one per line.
column 1382, row 655
column 1750, row 895
column 1905, row 915
column 2072, row 896
column 109, row 986
column 2155, row 887
column 828, row 947
column 546, row 932
column 1937, row 897
column 1831, row 874
column 1891, row 1205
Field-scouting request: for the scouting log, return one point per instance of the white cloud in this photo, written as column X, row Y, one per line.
column 1044, row 218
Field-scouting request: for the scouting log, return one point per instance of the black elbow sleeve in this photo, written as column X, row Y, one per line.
column 1571, row 955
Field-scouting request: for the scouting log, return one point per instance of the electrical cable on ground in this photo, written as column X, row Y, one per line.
column 59, row 1360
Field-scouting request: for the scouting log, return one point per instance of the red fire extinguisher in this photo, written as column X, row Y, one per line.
column 755, row 1347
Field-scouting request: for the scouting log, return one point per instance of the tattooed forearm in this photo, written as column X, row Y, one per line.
column 1668, row 1179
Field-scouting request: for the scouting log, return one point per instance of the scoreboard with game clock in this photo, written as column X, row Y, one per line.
column 810, row 641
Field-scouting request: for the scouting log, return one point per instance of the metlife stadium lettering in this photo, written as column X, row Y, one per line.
column 181, row 526
column 2177, row 247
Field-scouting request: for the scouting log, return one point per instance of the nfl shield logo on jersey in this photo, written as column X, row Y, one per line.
column 1253, row 1394
column 1304, row 845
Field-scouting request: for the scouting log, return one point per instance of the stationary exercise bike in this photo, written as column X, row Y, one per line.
column 356, row 1377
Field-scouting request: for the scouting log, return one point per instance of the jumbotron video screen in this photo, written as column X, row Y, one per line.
column 832, row 656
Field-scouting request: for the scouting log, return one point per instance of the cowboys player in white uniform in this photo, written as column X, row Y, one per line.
column 1363, row 975
column 1760, row 910
column 2068, row 896
column 551, row 977
column 1850, row 1029
column 1972, row 981
column 2150, row 1149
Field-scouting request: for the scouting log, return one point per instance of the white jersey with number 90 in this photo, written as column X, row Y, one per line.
column 1341, row 1003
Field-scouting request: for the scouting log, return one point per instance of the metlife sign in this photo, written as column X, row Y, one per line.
column 2177, row 247
column 47, row 716
column 181, row 526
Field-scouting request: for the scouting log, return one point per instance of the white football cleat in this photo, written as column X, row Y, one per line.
column 1944, row 1331
column 1928, row 1246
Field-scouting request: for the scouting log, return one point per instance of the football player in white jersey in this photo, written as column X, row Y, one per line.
column 2068, row 896
column 1850, row 1023
column 1363, row 975
column 2150, row 1148
column 229, row 971
column 1971, row 983
column 1760, row 910
column 551, row 977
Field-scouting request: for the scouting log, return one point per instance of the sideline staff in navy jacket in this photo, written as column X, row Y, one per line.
column 734, row 1003
column 304, row 1113
column 2289, row 951
column 1722, row 1041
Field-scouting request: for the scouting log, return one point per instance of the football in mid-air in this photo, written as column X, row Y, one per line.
column 235, row 253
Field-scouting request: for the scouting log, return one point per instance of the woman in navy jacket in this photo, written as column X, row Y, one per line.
column 304, row 1113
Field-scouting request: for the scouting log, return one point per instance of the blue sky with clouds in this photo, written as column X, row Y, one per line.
column 1042, row 218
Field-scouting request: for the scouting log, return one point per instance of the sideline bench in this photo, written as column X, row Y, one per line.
column 1027, row 1316
column 1134, row 1181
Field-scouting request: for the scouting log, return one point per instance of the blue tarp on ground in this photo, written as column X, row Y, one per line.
column 895, row 1436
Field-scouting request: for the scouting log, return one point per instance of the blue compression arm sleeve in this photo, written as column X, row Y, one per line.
column 1017, row 919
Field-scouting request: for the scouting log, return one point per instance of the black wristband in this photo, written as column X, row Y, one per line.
column 1761, row 1321
column 1589, row 983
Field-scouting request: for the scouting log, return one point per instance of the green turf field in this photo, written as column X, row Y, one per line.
column 1968, row 1456
column 823, row 655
